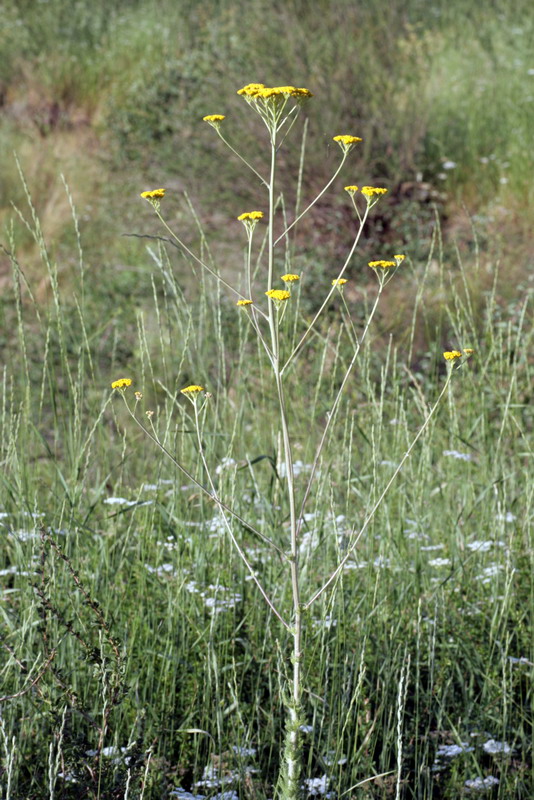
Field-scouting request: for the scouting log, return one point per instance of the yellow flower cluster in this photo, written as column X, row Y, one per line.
column 373, row 191
column 351, row 189
column 154, row 194
column 122, row 383
column 278, row 294
column 250, row 216
column 257, row 91
column 346, row 140
column 244, row 303
column 452, row 355
column 192, row 390
column 399, row 258
column 290, row 278
column 339, row 282
column 382, row 264
column 213, row 118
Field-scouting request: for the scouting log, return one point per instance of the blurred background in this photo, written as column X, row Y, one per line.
column 111, row 96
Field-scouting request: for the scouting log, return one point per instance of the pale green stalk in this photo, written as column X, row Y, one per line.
column 291, row 777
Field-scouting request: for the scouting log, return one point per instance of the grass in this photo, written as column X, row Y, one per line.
column 201, row 661
column 127, row 619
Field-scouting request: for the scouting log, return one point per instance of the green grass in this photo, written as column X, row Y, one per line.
column 193, row 684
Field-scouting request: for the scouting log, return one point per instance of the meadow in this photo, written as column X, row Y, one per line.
column 139, row 659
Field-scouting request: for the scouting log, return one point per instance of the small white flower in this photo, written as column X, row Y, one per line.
column 493, row 747
column 458, row 455
column 481, row 547
column 480, row 784
column 452, row 750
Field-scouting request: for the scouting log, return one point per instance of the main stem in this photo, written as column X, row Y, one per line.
column 289, row 782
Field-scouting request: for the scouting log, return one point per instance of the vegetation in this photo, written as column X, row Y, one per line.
column 138, row 659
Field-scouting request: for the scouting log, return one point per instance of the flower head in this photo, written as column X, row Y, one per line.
column 351, row 190
column 290, row 278
column 399, row 258
column 138, row 395
column 244, row 303
column 382, row 264
column 213, row 119
column 154, row 194
column 273, row 103
column 121, row 383
column 346, row 142
column 250, row 216
column 192, row 391
column 452, row 355
column 258, row 91
column 278, row 294
column 468, row 351
column 251, row 89
column 339, row 282
column 372, row 192
column 250, row 220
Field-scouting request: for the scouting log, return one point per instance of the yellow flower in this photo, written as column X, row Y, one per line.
column 351, row 190
column 155, row 194
column 399, row 258
column 250, row 89
column 214, row 118
column 382, row 264
column 258, row 91
column 468, row 351
column 278, row 294
column 290, row 278
column 138, row 395
column 452, row 355
column 122, row 383
column 244, row 303
column 346, row 142
column 250, row 216
column 373, row 191
column 339, row 282
column 192, row 390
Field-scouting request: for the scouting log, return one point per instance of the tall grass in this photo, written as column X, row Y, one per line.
column 157, row 642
